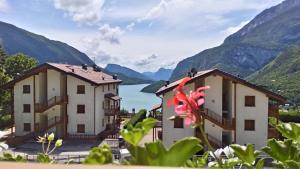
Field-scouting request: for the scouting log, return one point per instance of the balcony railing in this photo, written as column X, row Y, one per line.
column 50, row 124
column 56, row 100
column 273, row 111
column 225, row 123
column 112, row 111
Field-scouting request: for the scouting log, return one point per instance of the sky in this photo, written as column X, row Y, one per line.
column 141, row 34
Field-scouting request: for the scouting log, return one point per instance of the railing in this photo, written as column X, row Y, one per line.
column 51, row 123
column 82, row 136
column 214, row 141
column 111, row 111
column 218, row 119
column 273, row 111
column 56, row 100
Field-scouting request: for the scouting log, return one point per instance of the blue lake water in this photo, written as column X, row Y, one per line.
column 133, row 98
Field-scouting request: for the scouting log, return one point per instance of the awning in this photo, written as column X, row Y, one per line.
column 112, row 96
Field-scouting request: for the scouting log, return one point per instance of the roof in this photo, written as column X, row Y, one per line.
column 88, row 75
column 112, row 96
column 156, row 107
column 206, row 73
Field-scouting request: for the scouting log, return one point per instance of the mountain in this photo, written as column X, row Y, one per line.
column 282, row 74
column 152, row 88
column 14, row 40
column 253, row 46
column 161, row 74
column 114, row 68
column 130, row 80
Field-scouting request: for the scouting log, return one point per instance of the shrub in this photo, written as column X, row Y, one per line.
column 5, row 121
column 140, row 116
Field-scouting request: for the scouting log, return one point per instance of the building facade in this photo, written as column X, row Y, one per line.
column 235, row 111
column 71, row 101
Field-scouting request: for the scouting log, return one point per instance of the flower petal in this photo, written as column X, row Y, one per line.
column 200, row 102
column 182, row 83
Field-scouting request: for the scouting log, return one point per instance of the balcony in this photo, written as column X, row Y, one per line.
column 112, row 111
column 225, row 123
column 273, row 111
column 56, row 100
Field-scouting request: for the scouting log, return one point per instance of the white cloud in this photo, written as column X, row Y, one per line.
column 146, row 61
column 234, row 29
column 3, row 6
column 110, row 34
column 81, row 11
column 130, row 26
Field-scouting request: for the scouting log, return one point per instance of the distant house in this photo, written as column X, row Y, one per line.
column 71, row 101
column 235, row 111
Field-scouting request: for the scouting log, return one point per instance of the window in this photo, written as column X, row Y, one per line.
column 178, row 122
column 103, row 122
column 26, row 108
column 80, row 109
column 103, row 88
column 80, row 89
column 108, row 87
column 80, row 128
column 114, row 86
column 26, row 89
column 249, row 125
column 27, row 127
column 250, row 101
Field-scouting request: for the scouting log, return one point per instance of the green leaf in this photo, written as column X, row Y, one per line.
column 155, row 154
column 289, row 130
column 134, row 134
column 99, row 155
column 260, row 164
column 246, row 154
column 231, row 162
column 281, row 150
column 43, row 158
column 198, row 162
column 290, row 164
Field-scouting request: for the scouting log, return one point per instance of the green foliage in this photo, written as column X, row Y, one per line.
column 5, row 120
column 44, row 158
column 286, row 153
column 99, row 155
column 197, row 162
column 134, row 134
column 155, row 154
column 247, row 154
column 18, row 64
column 4, row 94
column 141, row 115
column 9, row 157
column 285, row 70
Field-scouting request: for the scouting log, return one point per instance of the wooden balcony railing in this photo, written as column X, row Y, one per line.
column 227, row 124
column 112, row 111
column 50, row 124
column 56, row 100
column 273, row 111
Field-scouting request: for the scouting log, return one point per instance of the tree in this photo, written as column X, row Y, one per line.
column 18, row 64
column 2, row 56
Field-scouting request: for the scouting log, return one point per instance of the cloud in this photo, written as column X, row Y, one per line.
column 146, row 61
column 233, row 29
column 110, row 34
column 156, row 11
column 3, row 6
column 130, row 26
column 81, row 11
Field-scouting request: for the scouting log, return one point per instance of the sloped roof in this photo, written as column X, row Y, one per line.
column 89, row 75
column 203, row 74
column 112, row 96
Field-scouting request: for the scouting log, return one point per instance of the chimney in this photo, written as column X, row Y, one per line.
column 167, row 83
column 84, row 66
column 193, row 71
column 96, row 68
column 115, row 77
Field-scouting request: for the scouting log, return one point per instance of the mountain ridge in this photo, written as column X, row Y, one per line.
column 14, row 40
column 245, row 53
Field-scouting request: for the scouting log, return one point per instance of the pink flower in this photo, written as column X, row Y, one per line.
column 188, row 105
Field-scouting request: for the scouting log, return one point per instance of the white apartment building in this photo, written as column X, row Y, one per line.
column 71, row 101
column 235, row 111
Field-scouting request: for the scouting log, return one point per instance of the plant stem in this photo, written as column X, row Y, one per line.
column 210, row 148
column 49, row 142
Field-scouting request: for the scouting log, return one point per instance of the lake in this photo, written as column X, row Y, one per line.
column 133, row 98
